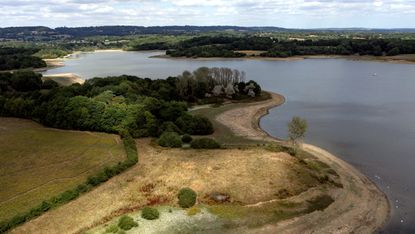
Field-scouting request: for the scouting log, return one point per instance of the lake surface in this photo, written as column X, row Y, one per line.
column 362, row 111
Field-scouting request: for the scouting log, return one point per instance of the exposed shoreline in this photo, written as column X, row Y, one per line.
column 65, row 78
column 361, row 208
column 399, row 59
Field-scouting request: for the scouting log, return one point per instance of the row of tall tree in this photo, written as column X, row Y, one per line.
column 219, row 82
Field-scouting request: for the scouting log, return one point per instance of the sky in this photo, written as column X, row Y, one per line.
column 280, row 13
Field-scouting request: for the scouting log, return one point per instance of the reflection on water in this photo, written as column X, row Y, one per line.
column 367, row 120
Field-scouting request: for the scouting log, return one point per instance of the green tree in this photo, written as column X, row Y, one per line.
column 297, row 129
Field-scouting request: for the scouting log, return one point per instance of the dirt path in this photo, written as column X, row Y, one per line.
column 360, row 208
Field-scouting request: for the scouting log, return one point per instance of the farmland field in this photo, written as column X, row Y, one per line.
column 37, row 163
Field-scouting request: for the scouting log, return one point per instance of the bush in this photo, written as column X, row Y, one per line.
column 193, row 211
column 150, row 213
column 186, row 138
column 170, row 139
column 112, row 229
column 49, row 84
column 187, row 197
column 194, row 125
column 169, row 127
column 126, row 223
column 205, row 143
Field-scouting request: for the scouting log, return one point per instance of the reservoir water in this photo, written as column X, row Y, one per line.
column 361, row 111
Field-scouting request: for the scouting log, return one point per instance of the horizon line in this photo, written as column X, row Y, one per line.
column 265, row 26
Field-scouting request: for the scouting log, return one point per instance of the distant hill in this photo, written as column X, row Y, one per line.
column 41, row 33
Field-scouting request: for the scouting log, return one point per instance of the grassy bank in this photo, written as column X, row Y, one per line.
column 43, row 168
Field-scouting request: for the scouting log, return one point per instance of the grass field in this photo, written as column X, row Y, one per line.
column 37, row 163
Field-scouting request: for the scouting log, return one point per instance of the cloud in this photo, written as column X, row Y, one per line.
column 285, row 13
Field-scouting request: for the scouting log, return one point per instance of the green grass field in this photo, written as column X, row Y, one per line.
column 37, row 163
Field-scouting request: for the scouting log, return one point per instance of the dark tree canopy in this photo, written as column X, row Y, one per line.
column 19, row 58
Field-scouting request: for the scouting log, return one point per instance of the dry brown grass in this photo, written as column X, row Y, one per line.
column 249, row 176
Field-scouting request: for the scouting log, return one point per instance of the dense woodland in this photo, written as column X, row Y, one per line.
column 229, row 46
column 19, row 58
column 210, row 41
column 143, row 107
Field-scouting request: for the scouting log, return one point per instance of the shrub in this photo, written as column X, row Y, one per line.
column 150, row 213
column 112, row 229
column 187, row 197
column 49, row 84
column 205, row 143
column 186, row 138
column 170, row 139
column 193, row 211
column 169, row 127
column 194, row 125
column 126, row 223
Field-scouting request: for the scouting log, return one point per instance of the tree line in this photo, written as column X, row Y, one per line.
column 19, row 58
column 227, row 46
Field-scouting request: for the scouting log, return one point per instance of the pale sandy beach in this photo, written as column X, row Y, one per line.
column 401, row 59
column 65, row 78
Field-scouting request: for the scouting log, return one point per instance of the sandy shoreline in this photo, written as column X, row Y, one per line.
column 360, row 208
column 65, row 78
column 399, row 59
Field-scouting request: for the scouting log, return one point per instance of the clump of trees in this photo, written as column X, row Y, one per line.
column 19, row 58
column 142, row 107
column 213, row 83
